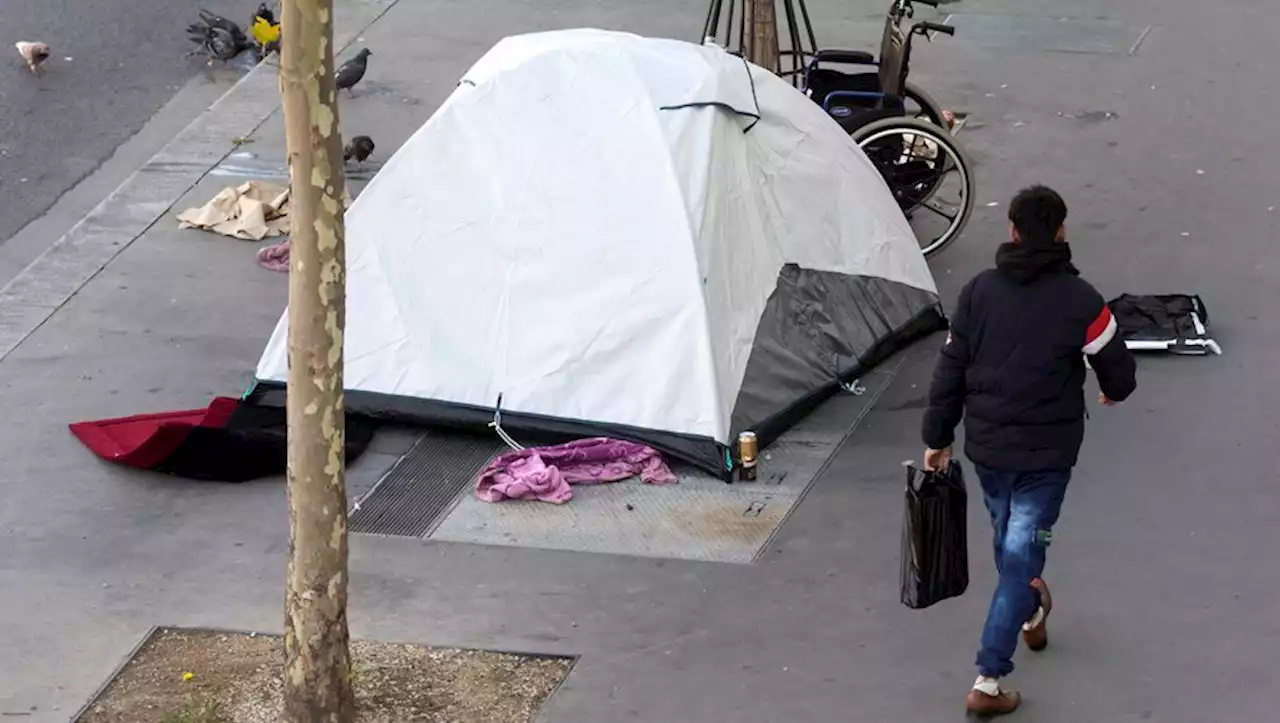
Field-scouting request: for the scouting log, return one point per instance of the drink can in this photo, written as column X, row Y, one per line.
column 748, row 456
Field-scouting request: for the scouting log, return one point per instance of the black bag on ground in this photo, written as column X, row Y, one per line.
column 935, row 547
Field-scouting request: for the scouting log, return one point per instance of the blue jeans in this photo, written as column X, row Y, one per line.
column 1024, row 507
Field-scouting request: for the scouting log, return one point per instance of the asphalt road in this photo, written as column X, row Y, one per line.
column 114, row 64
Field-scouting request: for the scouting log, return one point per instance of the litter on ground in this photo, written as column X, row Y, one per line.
column 251, row 211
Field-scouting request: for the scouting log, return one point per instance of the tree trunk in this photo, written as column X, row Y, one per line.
column 762, row 33
column 317, row 681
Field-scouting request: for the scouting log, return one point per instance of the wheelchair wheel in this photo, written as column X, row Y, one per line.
column 922, row 106
column 928, row 173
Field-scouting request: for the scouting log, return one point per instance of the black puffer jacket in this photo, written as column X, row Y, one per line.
column 1014, row 362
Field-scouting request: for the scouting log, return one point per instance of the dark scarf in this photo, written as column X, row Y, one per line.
column 1025, row 263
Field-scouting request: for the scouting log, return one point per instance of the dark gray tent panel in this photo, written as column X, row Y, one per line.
column 820, row 329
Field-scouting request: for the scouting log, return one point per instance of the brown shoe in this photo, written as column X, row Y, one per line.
column 982, row 704
column 1035, row 632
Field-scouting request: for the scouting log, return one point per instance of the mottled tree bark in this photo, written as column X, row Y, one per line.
column 317, row 681
column 762, row 33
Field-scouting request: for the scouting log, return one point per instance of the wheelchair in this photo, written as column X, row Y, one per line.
column 902, row 130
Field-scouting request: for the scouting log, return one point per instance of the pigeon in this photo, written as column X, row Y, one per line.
column 265, row 13
column 220, row 37
column 34, row 53
column 352, row 71
column 213, row 20
column 360, row 148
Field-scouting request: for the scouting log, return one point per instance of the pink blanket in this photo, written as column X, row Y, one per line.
column 275, row 257
column 545, row 473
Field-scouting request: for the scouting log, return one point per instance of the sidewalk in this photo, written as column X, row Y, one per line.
column 94, row 555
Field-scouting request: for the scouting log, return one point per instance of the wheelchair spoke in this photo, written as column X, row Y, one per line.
column 924, row 197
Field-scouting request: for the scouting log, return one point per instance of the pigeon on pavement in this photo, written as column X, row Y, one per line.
column 352, row 71
column 360, row 148
column 220, row 37
column 34, row 53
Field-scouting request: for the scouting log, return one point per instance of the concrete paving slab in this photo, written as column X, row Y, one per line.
column 698, row 518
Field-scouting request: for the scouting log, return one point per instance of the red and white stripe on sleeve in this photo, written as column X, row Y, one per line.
column 1101, row 332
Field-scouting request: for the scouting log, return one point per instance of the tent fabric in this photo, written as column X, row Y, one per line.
column 228, row 441
column 821, row 326
column 593, row 225
column 1176, row 323
column 146, row 440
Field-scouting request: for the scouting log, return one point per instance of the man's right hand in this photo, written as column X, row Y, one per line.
column 936, row 460
column 1104, row 401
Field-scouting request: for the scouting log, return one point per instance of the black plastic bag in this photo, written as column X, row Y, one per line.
column 935, row 548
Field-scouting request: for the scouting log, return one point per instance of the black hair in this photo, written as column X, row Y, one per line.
column 1037, row 213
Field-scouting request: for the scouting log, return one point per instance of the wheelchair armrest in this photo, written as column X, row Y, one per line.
column 852, row 57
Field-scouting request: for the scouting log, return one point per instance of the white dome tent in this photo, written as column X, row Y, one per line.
column 622, row 236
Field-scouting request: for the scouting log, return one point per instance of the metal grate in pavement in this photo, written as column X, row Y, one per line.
column 423, row 484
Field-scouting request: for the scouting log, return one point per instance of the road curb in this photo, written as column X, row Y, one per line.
column 150, row 192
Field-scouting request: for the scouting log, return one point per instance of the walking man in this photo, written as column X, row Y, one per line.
column 1013, row 366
